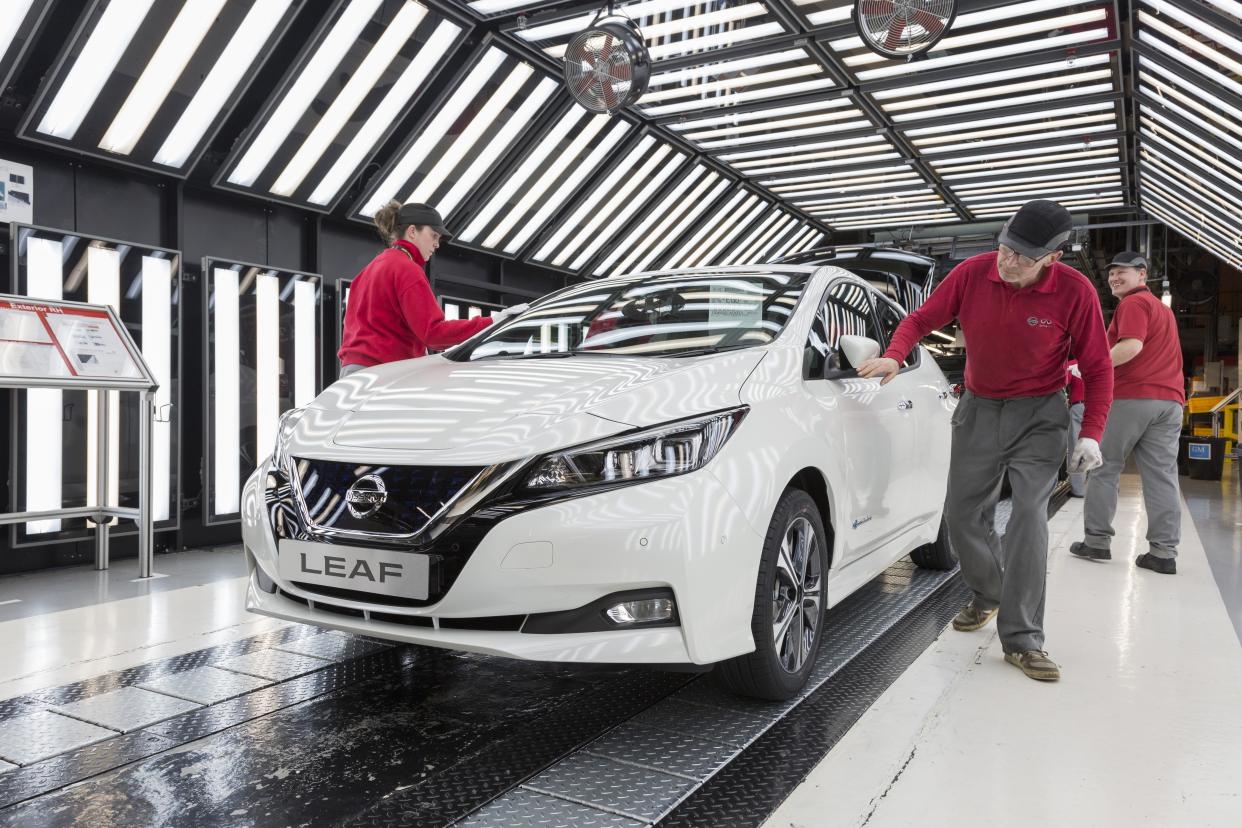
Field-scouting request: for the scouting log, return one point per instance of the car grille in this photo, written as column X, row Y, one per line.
column 414, row 494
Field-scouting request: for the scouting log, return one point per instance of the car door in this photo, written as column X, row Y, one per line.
column 868, row 427
column 927, row 415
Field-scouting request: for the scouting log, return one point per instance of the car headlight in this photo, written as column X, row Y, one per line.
column 284, row 429
column 652, row 454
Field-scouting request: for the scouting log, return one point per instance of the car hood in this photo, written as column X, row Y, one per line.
column 498, row 410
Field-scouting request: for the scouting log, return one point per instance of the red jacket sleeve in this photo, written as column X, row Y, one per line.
column 940, row 309
column 423, row 314
column 1089, row 342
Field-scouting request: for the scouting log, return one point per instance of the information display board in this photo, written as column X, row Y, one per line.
column 66, row 342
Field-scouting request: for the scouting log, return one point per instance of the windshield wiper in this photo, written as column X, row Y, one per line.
column 519, row 355
column 714, row 349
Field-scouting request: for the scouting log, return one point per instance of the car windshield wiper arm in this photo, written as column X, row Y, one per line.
column 713, row 349
column 518, row 355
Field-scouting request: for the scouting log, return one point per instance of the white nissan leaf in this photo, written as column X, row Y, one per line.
column 670, row 468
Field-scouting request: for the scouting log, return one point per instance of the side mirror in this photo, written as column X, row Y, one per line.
column 858, row 349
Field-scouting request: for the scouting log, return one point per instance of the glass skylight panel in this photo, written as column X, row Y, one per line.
column 670, row 27
column 710, row 86
column 361, row 74
column 552, row 169
column 487, row 111
column 608, row 208
column 150, row 83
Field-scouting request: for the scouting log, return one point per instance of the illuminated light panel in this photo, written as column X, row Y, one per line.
column 1007, row 50
column 1019, row 135
column 44, row 406
column 922, row 93
column 708, row 231
column 1012, row 166
column 103, row 287
column 1185, row 59
column 638, row 239
column 157, row 279
column 784, row 229
column 977, row 126
column 623, row 214
column 1037, row 182
column 665, row 235
column 1230, row 202
column 712, row 251
column 1016, row 100
column 226, row 399
column 737, row 123
column 803, row 151
column 742, row 251
column 733, row 82
column 1188, row 146
column 305, row 383
column 847, row 158
column 10, row 22
column 868, row 176
column 1171, row 216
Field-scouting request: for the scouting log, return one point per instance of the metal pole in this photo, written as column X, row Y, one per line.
column 146, row 530
column 101, row 479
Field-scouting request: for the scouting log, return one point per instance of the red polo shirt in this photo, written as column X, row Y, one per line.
column 392, row 313
column 1156, row 373
column 1075, row 388
column 1019, row 341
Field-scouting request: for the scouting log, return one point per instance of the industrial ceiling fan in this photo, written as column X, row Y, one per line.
column 903, row 28
column 607, row 64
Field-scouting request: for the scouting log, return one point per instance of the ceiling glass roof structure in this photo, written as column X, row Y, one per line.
column 767, row 124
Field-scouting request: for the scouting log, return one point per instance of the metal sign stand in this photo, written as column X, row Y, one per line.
column 140, row 380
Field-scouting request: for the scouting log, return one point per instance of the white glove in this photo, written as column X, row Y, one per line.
column 502, row 315
column 1086, row 456
column 1074, row 370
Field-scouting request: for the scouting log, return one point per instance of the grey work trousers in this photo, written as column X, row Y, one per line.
column 1149, row 429
column 1026, row 438
column 1077, row 482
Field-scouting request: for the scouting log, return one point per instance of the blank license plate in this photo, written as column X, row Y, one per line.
column 380, row 571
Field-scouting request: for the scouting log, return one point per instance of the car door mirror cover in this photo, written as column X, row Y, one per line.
column 855, row 350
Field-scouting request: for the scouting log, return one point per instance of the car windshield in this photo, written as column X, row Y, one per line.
column 666, row 315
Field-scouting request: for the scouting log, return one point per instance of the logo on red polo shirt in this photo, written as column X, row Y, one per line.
column 1036, row 322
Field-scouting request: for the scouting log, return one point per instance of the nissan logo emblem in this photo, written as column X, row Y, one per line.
column 366, row 496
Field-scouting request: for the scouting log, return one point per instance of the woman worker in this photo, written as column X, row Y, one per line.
column 392, row 313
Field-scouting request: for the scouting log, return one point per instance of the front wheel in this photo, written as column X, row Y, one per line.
column 788, row 617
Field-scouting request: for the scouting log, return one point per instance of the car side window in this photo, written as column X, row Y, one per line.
column 846, row 309
column 890, row 318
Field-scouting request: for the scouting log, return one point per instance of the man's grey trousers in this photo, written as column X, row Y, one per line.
column 1150, row 429
column 1077, row 482
column 1026, row 437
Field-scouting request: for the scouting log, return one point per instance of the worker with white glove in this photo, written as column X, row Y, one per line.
column 1022, row 313
column 509, row 312
column 1075, row 389
column 1146, row 419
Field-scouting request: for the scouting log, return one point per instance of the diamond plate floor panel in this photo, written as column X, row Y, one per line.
column 276, row 665
column 205, row 685
column 528, row 809
column 716, row 724
column 333, row 646
column 127, row 709
column 677, row 753
column 638, row 792
column 43, row 734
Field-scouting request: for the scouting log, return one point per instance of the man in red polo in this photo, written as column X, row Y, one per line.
column 1148, row 397
column 1022, row 314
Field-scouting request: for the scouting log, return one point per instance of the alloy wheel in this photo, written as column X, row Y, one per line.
column 797, row 595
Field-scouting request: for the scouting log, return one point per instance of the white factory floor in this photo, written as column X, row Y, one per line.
column 1145, row 727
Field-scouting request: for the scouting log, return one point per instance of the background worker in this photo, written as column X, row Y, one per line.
column 1076, row 391
column 1148, row 397
column 1022, row 313
column 392, row 313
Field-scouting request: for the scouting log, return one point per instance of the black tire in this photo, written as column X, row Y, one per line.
column 772, row 672
column 936, row 555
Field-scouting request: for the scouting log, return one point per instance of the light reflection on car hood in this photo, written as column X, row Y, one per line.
column 495, row 410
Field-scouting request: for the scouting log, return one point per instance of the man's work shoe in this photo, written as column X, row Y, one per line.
column 1036, row 665
column 1165, row 566
column 1090, row 552
column 972, row 618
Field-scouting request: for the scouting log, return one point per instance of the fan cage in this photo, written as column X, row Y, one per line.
column 903, row 28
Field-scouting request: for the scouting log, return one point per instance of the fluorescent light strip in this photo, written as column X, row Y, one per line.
column 1162, row 92
column 737, row 98
column 1161, row 163
column 680, row 76
column 1054, row 162
column 505, row 138
column 1176, row 81
column 845, row 186
column 1097, row 123
column 742, row 252
column 663, row 233
column 108, row 40
column 1162, row 129
column 1008, row 50
column 684, row 254
column 859, row 141
column 1066, row 200
column 246, row 44
column 846, row 152
column 1023, row 129
column 1197, row 25
column 757, row 252
column 922, row 191
column 1208, row 222
column 436, row 130
column 299, row 97
column 1224, row 204
column 10, row 22
column 480, row 122
column 226, row 392
column 1021, row 118
column 1193, row 117
column 1034, row 27
column 721, row 40
column 495, row 6
column 989, row 186
column 588, row 206
column 825, row 110
column 267, row 360
column 857, row 176
column 728, row 84
column 919, row 92
column 821, row 18
column 1017, row 100
column 817, row 165
column 797, row 242
column 578, row 170
column 1208, row 238
column 361, row 82
column 889, row 222
column 180, row 43
column 518, row 179
column 879, row 206
column 157, row 353
column 44, row 406
column 103, row 287
column 777, row 132
column 622, row 216
column 620, row 200
column 653, row 8
column 638, row 239
column 1019, row 197
column 809, row 242
column 305, row 337
column 713, row 251
column 1186, row 60
column 1028, row 154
